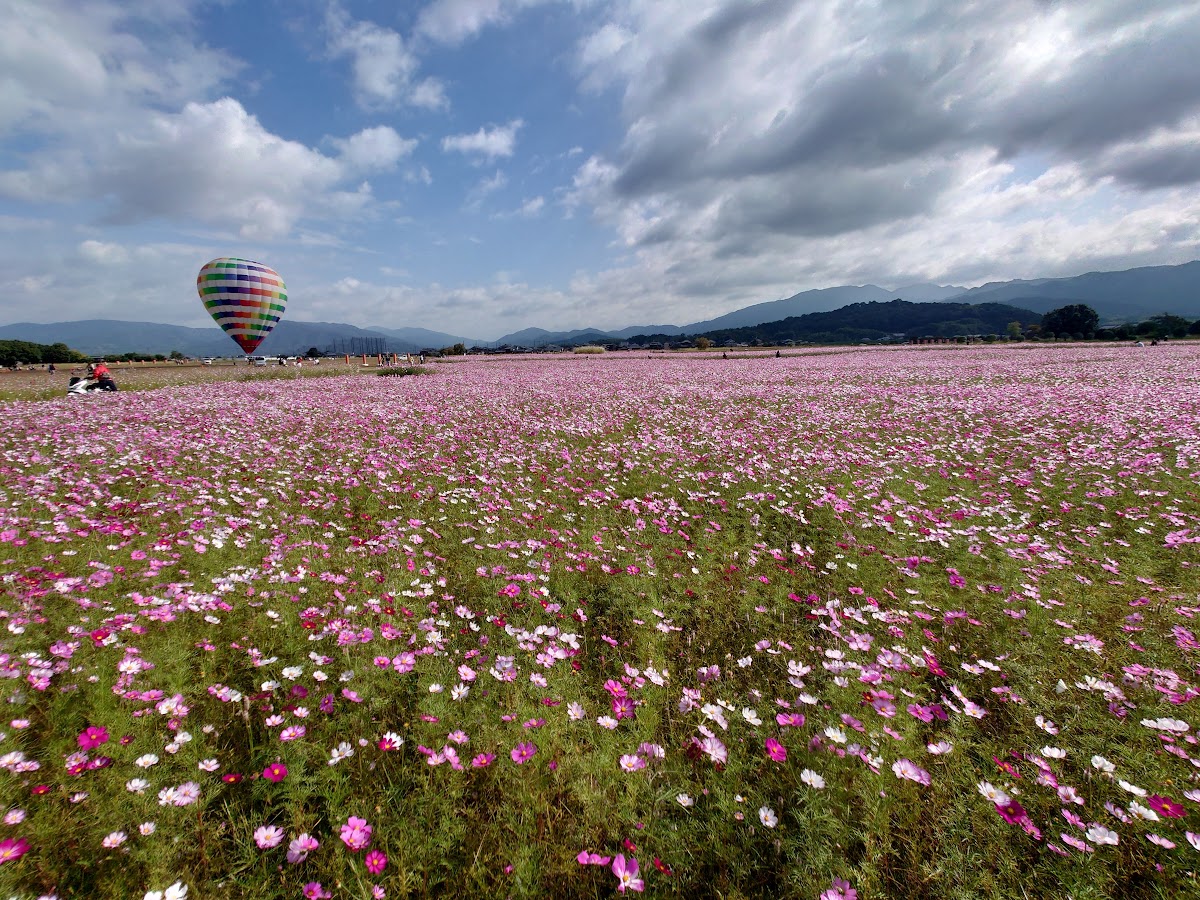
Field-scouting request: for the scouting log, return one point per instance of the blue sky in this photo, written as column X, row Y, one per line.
column 480, row 166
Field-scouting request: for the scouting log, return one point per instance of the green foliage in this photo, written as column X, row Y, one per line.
column 1074, row 319
column 14, row 353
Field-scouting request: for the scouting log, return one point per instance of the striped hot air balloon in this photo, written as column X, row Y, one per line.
column 247, row 299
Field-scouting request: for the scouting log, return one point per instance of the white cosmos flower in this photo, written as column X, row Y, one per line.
column 685, row 801
column 993, row 793
column 1143, row 812
column 812, row 779
column 1131, row 788
column 767, row 816
column 1177, row 726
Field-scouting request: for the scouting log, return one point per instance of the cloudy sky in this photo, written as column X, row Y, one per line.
column 479, row 166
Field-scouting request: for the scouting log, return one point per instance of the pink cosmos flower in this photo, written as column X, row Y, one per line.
column 314, row 891
column 356, row 833
column 627, row 874
column 375, row 861
column 268, row 836
column 775, row 750
column 841, row 890
column 483, row 760
column 93, row 737
column 906, row 768
column 276, row 771
column 300, row 847
column 13, row 849
column 523, row 752
column 631, row 762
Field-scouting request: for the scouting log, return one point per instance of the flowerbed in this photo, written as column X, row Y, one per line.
column 893, row 623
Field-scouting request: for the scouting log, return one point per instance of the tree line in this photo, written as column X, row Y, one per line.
column 20, row 353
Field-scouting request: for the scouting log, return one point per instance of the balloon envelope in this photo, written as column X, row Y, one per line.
column 245, row 298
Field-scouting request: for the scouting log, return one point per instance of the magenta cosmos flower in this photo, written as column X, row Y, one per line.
column 775, row 750
column 375, row 861
column 93, row 737
column 275, row 772
column 356, row 833
column 1165, row 806
column 523, row 753
column 13, row 849
column 627, row 874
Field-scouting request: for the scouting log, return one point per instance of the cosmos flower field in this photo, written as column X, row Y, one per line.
column 888, row 623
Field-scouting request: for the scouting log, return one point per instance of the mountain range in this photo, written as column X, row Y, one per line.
column 1131, row 295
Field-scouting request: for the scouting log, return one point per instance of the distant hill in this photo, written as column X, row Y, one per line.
column 539, row 337
column 423, row 337
column 99, row 337
column 820, row 300
column 896, row 319
column 1131, row 295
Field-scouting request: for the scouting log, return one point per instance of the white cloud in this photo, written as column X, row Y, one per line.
column 774, row 146
column 532, row 207
column 374, row 149
column 455, row 21
column 483, row 188
column 385, row 69
column 69, row 66
column 103, row 252
column 211, row 163
column 489, row 143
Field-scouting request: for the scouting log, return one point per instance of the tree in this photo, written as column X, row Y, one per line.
column 1014, row 331
column 1078, row 318
column 313, row 353
column 703, row 343
column 175, row 354
column 1167, row 325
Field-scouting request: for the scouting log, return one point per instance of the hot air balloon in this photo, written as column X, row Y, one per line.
column 245, row 298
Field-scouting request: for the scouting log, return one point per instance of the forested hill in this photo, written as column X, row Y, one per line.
column 876, row 321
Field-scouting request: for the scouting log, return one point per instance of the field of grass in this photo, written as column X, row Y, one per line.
column 889, row 623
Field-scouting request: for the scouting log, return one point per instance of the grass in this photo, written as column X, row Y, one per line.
column 889, row 544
